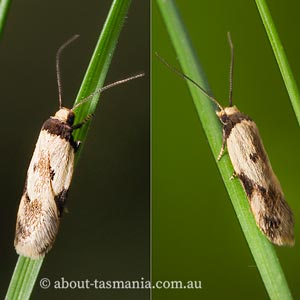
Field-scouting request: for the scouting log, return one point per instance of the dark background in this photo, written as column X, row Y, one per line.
column 196, row 235
column 105, row 235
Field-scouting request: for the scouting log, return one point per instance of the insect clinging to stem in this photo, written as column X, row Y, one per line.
column 251, row 165
column 49, row 175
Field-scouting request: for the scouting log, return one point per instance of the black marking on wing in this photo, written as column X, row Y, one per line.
column 52, row 173
column 60, row 201
column 273, row 227
column 258, row 145
column 275, row 219
column 27, row 197
column 247, row 184
column 262, row 190
column 272, row 222
column 254, row 157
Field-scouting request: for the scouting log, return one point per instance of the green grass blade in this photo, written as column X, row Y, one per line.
column 23, row 279
column 27, row 270
column 101, row 59
column 261, row 249
column 4, row 7
column 281, row 58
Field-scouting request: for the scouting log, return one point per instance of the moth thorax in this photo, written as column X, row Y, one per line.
column 65, row 115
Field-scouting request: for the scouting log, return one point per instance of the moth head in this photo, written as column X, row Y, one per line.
column 65, row 115
column 225, row 114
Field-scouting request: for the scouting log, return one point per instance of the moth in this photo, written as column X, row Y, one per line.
column 49, row 176
column 252, row 166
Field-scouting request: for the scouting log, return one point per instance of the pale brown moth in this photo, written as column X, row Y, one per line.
column 251, row 165
column 49, row 176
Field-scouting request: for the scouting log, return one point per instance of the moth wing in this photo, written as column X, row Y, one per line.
column 247, row 152
column 48, row 177
column 36, row 228
column 265, row 195
column 273, row 215
column 62, row 163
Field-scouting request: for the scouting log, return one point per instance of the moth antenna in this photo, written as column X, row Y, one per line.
column 231, row 68
column 106, row 88
column 182, row 75
column 58, row 54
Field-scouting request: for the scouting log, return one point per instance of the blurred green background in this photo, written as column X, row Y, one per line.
column 105, row 235
column 195, row 233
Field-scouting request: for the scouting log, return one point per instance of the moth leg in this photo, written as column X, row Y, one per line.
column 79, row 125
column 76, row 144
column 233, row 176
column 223, row 146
